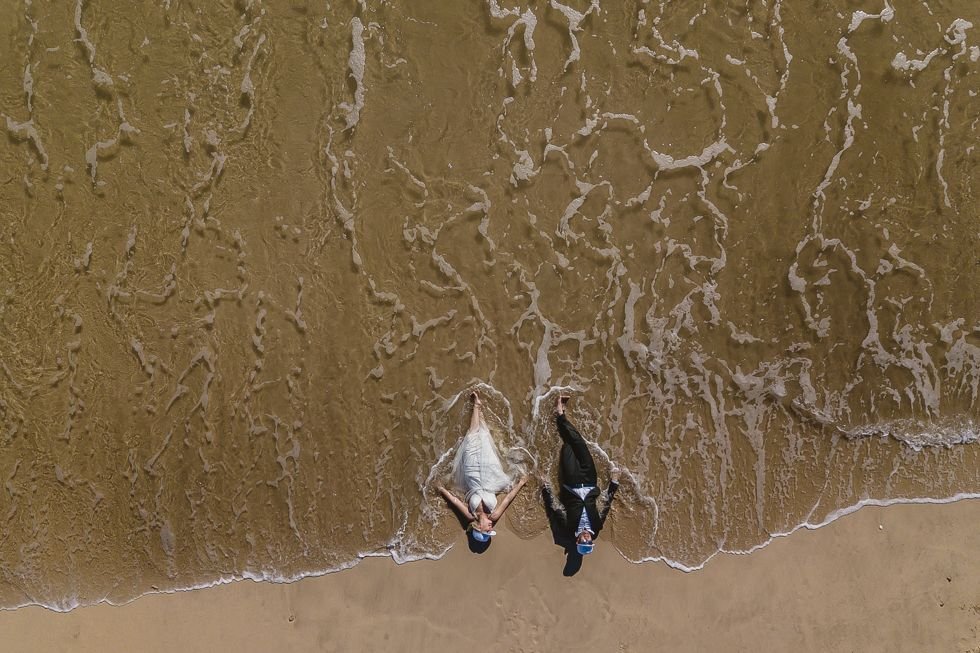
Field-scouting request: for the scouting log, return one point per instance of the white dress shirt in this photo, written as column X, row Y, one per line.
column 583, row 523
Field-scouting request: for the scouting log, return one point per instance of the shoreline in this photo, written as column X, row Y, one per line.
column 256, row 577
column 823, row 589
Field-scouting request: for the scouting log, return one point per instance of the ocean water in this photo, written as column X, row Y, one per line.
column 254, row 256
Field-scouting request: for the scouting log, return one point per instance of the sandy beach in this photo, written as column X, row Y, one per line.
column 901, row 578
column 256, row 256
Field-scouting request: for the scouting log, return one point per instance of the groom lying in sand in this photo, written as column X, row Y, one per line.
column 582, row 520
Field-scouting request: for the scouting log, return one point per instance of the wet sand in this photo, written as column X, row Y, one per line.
column 901, row 578
column 255, row 255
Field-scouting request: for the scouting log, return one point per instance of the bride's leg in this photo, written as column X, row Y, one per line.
column 477, row 417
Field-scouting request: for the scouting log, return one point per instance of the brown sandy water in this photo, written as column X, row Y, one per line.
column 253, row 256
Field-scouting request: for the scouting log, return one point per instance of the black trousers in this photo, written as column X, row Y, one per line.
column 575, row 465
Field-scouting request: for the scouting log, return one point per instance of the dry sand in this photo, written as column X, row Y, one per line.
column 902, row 578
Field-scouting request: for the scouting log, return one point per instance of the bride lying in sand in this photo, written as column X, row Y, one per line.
column 478, row 471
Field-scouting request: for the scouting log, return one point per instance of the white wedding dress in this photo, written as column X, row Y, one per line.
column 478, row 470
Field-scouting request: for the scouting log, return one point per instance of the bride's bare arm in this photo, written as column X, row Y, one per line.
column 502, row 506
column 456, row 503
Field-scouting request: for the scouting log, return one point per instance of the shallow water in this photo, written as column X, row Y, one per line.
column 254, row 256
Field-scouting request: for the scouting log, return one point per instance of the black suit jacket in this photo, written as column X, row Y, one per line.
column 567, row 523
